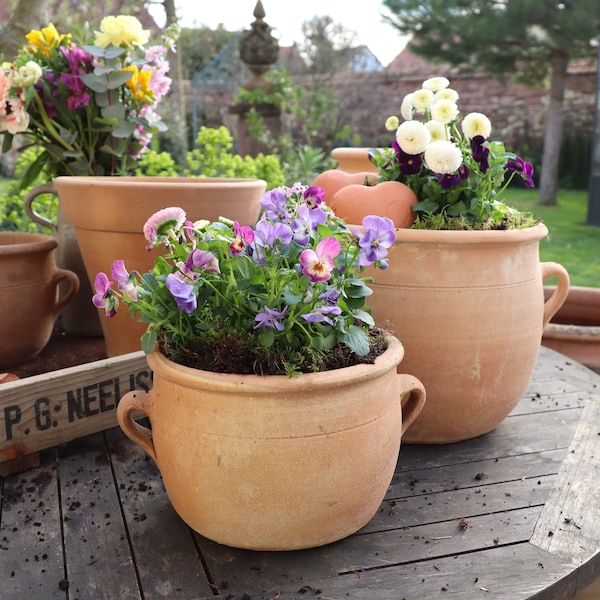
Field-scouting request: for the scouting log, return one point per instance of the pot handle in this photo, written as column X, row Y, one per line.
column 142, row 436
column 412, row 399
column 43, row 188
column 72, row 279
column 551, row 306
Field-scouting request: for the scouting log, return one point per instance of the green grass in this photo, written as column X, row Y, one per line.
column 571, row 243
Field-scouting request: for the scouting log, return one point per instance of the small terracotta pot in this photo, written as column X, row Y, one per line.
column 108, row 216
column 29, row 301
column 276, row 462
column 575, row 328
column 353, row 160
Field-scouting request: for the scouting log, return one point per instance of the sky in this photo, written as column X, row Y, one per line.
column 286, row 18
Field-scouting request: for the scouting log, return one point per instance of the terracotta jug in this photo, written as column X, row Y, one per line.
column 275, row 462
column 29, row 302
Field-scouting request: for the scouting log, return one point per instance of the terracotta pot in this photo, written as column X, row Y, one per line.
column 469, row 309
column 353, row 160
column 79, row 316
column 575, row 329
column 275, row 463
column 108, row 216
column 29, row 302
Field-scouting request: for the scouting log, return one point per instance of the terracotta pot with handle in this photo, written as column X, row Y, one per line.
column 29, row 299
column 275, row 462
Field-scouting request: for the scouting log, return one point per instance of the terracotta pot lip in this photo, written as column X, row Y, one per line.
column 252, row 384
column 21, row 242
column 99, row 181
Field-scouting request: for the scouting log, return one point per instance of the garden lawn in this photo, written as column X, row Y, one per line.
column 571, row 243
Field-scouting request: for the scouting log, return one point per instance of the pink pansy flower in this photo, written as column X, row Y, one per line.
column 318, row 263
column 104, row 297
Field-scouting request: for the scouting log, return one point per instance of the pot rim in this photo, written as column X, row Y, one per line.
column 251, row 384
column 22, row 242
column 170, row 182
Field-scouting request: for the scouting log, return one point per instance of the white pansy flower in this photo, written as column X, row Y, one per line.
column 391, row 123
column 437, row 130
column 421, row 99
column 413, row 137
column 476, row 124
column 406, row 108
column 436, row 83
column 443, row 157
column 444, row 111
column 24, row 76
column 446, row 94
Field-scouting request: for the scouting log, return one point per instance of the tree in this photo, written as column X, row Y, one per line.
column 26, row 15
column 530, row 41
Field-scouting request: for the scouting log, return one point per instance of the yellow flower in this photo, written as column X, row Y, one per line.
column 139, row 84
column 123, row 30
column 45, row 40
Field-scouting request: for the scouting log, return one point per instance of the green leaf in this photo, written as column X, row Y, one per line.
column 7, row 142
column 364, row 316
column 356, row 339
column 109, row 52
column 266, row 337
column 95, row 83
column 124, row 130
column 114, row 111
column 117, row 78
column 148, row 342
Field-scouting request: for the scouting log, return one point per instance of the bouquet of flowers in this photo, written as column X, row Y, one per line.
column 280, row 298
column 454, row 168
column 91, row 108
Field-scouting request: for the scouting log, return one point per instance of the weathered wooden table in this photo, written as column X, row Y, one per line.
column 511, row 515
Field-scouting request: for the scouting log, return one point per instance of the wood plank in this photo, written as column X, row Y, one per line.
column 97, row 553
column 31, row 558
column 168, row 562
column 568, row 525
column 46, row 410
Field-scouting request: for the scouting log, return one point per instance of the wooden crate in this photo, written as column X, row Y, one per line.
column 49, row 409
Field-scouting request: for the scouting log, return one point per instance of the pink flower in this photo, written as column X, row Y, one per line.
column 164, row 223
column 318, row 263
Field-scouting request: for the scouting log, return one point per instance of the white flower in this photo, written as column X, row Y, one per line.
column 421, row 99
column 436, row 83
column 444, row 111
column 391, row 123
column 406, row 108
column 443, row 157
column 26, row 75
column 446, row 94
column 437, row 130
column 476, row 124
column 413, row 137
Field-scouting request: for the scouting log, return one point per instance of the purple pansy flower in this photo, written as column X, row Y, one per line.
column 378, row 236
column 126, row 281
column 104, row 297
column 182, row 292
column 525, row 168
column 274, row 203
column 270, row 318
column 319, row 315
column 305, row 224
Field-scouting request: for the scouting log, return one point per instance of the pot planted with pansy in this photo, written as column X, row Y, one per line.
column 87, row 101
column 464, row 291
column 276, row 407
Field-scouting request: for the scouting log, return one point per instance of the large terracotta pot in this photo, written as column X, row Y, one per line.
column 108, row 216
column 29, row 301
column 275, row 462
column 575, row 328
column 469, row 309
column 79, row 315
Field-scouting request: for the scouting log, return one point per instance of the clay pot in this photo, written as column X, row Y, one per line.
column 79, row 316
column 469, row 309
column 353, row 160
column 108, row 216
column 275, row 463
column 575, row 329
column 29, row 301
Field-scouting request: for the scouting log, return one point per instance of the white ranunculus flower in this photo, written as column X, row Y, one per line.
column 476, row 124
column 442, row 156
column 444, row 111
column 437, row 130
column 421, row 99
column 436, row 83
column 446, row 94
column 27, row 75
column 413, row 137
column 406, row 108
column 391, row 123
